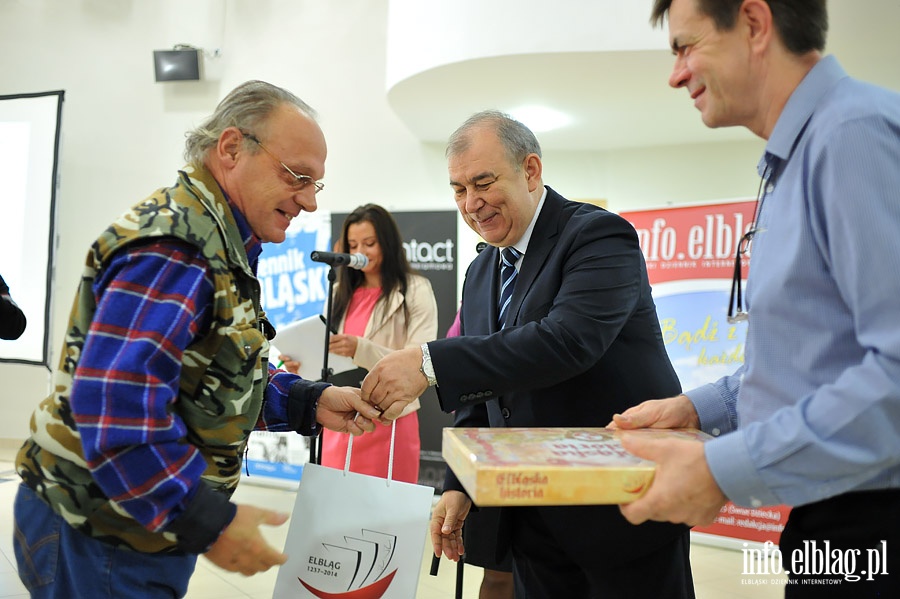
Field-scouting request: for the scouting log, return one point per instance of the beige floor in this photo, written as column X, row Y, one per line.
column 717, row 571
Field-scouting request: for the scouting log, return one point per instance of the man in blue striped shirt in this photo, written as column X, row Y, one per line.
column 132, row 459
column 812, row 418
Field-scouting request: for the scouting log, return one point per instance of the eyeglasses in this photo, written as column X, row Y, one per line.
column 300, row 181
column 736, row 311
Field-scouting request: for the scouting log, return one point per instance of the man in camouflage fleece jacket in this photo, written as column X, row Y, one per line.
column 132, row 459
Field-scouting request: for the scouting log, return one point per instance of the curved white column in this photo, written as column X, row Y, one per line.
column 425, row 34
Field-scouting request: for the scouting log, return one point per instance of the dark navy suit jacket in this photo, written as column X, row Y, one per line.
column 582, row 342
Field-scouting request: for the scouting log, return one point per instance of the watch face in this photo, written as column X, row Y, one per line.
column 428, row 370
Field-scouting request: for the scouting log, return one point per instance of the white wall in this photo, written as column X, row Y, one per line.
column 123, row 133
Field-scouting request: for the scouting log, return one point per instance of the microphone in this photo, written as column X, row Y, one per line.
column 357, row 261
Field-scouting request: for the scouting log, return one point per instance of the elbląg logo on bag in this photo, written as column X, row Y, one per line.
column 355, row 567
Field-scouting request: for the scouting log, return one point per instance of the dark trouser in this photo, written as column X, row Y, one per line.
column 542, row 569
column 480, row 540
column 847, row 534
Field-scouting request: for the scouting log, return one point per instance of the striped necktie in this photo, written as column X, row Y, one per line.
column 508, row 257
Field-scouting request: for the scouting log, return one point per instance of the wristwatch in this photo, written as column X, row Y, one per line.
column 427, row 367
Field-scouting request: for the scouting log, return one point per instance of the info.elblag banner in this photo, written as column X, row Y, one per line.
column 690, row 254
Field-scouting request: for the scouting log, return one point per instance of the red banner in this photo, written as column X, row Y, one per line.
column 694, row 242
column 690, row 261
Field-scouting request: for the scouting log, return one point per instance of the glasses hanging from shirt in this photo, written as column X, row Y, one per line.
column 736, row 311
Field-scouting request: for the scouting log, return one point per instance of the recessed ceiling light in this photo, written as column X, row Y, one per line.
column 540, row 118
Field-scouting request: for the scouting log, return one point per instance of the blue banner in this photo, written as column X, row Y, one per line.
column 293, row 286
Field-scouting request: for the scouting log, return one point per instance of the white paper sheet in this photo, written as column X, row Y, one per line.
column 304, row 341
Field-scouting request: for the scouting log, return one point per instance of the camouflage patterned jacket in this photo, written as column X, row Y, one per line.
column 223, row 374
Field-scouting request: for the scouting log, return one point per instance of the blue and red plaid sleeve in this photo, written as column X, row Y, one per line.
column 291, row 404
column 152, row 301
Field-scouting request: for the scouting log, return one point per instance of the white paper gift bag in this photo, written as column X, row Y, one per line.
column 354, row 536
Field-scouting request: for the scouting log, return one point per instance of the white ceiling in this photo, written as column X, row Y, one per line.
column 621, row 99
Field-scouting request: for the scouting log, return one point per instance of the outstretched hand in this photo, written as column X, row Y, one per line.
column 342, row 409
column 394, row 382
column 242, row 548
column 674, row 412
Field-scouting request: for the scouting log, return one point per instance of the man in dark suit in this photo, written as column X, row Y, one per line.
column 578, row 341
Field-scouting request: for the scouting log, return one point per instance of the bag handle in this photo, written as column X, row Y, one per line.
column 390, row 473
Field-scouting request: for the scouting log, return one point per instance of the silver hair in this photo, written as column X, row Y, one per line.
column 516, row 138
column 246, row 107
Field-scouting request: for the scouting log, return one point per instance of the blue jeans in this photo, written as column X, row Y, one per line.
column 57, row 562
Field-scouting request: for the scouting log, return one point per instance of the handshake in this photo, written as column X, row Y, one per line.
column 394, row 382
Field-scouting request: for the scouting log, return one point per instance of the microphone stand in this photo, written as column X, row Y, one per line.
column 315, row 444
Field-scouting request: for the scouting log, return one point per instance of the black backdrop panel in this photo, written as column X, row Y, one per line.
column 429, row 239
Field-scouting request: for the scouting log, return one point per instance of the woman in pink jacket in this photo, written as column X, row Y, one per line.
column 383, row 307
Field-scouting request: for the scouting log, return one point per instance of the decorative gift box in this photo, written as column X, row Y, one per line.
column 550, row 466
